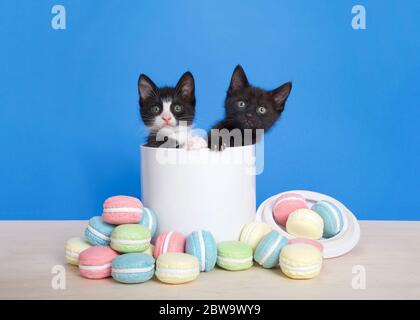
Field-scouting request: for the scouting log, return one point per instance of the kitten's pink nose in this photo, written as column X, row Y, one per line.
column 166, row 117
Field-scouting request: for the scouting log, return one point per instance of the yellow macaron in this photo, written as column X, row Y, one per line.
column 74, row 246
column 253, row 232
column 300, row 261
column 305, row 223
column 177, row 268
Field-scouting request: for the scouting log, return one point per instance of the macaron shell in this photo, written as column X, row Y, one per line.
column 193, row 247
column 96, row 274
column 286, row 204
column 130, row 232
column 234, row 255
column 96, row 256
column 149, row 219
column 122, row 202
column 252, row 233
column 268, row 250
column 75, row 245
column 98, row 232
column 331, row 215
column 169, row 242
column 305, row 223
column 125, row 268
column 300, row 261
column 177, row 268
column 122, row 217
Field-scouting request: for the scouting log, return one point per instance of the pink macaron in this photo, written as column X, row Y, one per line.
column 169, row 242
column 122, row 210
column 286, row 204
column 95, row 262
column 315, row 243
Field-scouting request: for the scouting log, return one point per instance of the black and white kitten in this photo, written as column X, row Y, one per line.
column 164, row 109
column 247, row 109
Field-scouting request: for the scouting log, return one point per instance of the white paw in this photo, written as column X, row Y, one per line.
column 196, row 143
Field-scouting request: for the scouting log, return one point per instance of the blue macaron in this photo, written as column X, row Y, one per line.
column 98, row 232
column 133, row 268
column 332, row 216
column 149, row 219
column 268, row 250
column 202, row 245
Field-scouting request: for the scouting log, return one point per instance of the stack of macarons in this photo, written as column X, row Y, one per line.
column 323, row 220
column 117, row 243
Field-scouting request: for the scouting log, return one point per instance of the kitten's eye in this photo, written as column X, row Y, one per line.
column 178, row 108
column 261, row 110
column 241, row 104
column 155, row 109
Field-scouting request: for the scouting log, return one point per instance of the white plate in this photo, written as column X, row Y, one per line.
column 336, row 246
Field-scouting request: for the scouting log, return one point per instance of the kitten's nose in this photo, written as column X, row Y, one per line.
column 166, row 117
column 248, row 114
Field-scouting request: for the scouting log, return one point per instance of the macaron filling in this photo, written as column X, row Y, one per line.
column 234, row 260
column 129, row 242
column 202, row 250
column 95, row 268
column 98, row 234
column 132, row 270
column 122, row 209
column 270, row 250
column 174, row 271
column 71, row 253
column 302, row 268
column 166, row 242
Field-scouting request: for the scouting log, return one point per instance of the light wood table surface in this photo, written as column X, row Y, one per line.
column 388, row 251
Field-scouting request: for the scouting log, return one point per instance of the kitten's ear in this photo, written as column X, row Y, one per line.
column 185, row 86
column 239, row 80
column 281, row 94
column 146, row 87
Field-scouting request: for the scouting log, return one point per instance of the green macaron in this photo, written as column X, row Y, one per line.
column 234, row 255
column 130, row 238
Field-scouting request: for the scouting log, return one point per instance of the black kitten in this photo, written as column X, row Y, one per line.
column 248, row 108
column 162, row 110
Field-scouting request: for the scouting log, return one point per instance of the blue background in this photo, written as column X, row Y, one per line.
column 69, row 123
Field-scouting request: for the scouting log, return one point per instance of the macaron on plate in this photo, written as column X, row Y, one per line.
column 339, row 244
column 305, row 223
